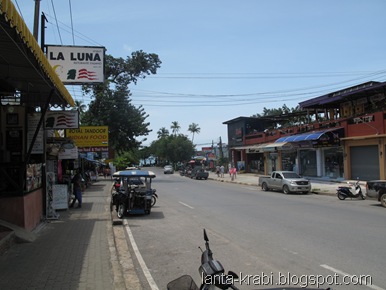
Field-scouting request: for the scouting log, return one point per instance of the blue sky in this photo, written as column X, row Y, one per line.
column 223, row 59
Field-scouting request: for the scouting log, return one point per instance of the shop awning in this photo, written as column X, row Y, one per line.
column 310, row 136
column 279, row 146
column 23, row 66
column 251, row 148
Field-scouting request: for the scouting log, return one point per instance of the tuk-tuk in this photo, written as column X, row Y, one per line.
column 134, row 195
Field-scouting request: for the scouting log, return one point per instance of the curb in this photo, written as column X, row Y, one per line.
column 317, row 190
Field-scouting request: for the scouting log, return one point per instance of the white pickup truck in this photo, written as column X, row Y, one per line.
column 286, row 181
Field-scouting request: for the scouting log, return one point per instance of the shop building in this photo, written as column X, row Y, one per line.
column 29, row 88
column 342, row 137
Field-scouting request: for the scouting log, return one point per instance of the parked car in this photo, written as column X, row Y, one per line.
column 199, row 173
column 286, row 181
column 377, row 189
column 168, row 169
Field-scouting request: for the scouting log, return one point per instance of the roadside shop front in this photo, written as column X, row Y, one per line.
column 29, row 88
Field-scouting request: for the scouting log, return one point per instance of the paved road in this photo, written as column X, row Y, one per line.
column 259, row 232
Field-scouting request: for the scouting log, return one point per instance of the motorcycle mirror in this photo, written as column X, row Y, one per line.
column 233, row 274
column 205, row 236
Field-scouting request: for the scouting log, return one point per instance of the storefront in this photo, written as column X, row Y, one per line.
column 315, row 154
column 29, row 87
column 364, row 157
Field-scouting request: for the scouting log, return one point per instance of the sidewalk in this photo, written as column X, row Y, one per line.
column 76, row 251
column 319, row 186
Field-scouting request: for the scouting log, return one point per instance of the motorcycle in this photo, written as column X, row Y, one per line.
column 154, row 197
column 348, row 191
column 213, row 275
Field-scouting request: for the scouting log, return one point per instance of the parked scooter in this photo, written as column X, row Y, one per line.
column 352, row 191
column 213, row 275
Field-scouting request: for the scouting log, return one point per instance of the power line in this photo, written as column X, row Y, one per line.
column 72, row 24
column 56, row 19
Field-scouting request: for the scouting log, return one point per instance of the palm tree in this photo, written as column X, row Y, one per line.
column 193, row 128
column 175, row 127
column 80, row 106
column 162, row 132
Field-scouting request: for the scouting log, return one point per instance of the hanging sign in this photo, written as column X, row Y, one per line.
column 77, row 64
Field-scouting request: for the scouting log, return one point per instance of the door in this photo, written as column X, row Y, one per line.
column 364, row 162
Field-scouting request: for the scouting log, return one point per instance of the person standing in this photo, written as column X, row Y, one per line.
column 77, row 190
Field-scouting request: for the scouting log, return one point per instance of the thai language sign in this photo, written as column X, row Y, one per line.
column 89, row 136
column 77, row 64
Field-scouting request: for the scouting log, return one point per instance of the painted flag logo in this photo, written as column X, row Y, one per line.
column 86, row 74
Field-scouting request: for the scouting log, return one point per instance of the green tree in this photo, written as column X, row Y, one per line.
column 162, row 132
column 173, row 148
column 175, row 127
column 194, row 129
column 111, row 105
column 284, row 116
column 126, row 159
column 80, row 107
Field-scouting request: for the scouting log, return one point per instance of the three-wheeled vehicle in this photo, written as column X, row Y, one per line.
column 134, row 193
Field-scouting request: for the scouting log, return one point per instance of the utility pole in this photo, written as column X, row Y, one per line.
column 221, row 152
column 36, row 19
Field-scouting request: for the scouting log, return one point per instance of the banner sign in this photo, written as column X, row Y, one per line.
column 93, row 149
column 77, row 64
column 68, row 153
column 62, row 120
column 33, row 121
column 89, row 136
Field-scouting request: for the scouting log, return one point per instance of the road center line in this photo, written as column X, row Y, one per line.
column 348, row 275
column 141, row 262
column 186, row 205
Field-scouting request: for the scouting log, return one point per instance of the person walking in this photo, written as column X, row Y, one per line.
column 222, row 170
column 77, row 190
column 218, row 171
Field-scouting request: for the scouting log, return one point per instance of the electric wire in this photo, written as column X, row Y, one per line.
column 56, row 19
column 161, row 98
column 72, row 23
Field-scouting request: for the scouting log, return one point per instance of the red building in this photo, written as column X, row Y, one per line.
column 342, row 136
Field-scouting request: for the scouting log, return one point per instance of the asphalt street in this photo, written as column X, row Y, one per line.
column 259, row 232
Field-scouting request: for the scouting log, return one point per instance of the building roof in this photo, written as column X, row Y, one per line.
column 23, row 65
column 333, row 99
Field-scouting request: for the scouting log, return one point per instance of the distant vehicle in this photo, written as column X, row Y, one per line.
column 377, row 189
column 134, row 167
column 199, row 173
column 286, row 181
column 168, row 169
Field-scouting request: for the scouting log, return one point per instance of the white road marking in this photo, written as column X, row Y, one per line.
column 363, row 282
column 186, row 205
column 145, row 269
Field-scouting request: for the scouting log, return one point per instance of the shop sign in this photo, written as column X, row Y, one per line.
column 62, row 120
column 68, row 153
column 89, row 136
column 77, row 64
column 206, row 149
column 93, row 149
